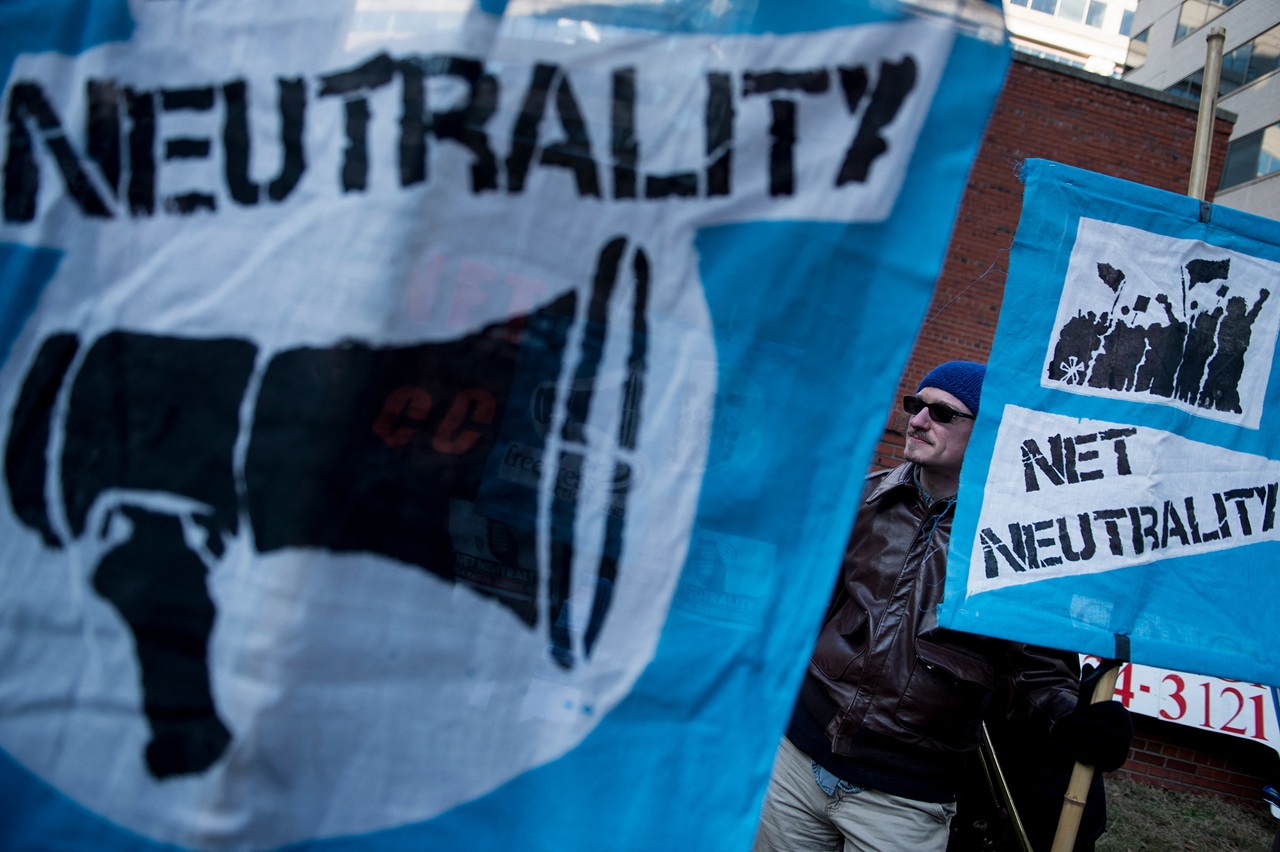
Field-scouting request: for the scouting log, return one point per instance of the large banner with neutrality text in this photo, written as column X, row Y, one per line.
column 435, row 425
column 1119, row 497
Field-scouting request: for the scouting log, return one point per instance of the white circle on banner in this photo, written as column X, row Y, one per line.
column 359, row 692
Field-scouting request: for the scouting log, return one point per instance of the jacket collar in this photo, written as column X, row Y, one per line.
column 901, row 481
column 902, row 476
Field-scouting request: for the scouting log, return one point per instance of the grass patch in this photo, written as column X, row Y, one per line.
column 1145, row 818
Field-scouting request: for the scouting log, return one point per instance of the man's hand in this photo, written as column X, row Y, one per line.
column 1098, row 735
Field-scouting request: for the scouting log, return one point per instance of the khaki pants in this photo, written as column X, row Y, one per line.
column 800, row 817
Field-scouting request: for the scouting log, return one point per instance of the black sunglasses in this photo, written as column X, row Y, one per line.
column 939, row 412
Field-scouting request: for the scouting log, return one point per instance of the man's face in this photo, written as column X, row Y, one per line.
column 938, row 447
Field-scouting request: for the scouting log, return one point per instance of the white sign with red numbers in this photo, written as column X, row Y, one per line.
column 1245, row 710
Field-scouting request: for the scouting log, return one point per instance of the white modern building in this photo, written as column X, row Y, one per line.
column 1088, row 34
column 1167, row 52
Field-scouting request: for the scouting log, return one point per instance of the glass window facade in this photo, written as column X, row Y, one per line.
column 1248, row 62
column 1189, row 86
column 1265, row 56
column 1194, row 14
column 1137, row 55
column 1252, row 156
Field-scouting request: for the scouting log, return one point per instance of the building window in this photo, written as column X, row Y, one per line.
column 1136, row 57
column 1126, row 22
column 1196, row 13
column 1235, row 66
column 1252, row 156
column 1089, row 12
column 1189, row 86
column 1095, row 13
column 1265, row 55
column 1071, row 10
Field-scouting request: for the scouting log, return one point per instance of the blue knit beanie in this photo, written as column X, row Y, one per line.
column 961, row 379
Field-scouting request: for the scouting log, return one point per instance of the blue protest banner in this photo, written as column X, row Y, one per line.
column 435, row 425
column 1119, row 497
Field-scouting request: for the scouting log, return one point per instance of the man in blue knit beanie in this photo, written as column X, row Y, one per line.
column 942, row 414
column 891, row 706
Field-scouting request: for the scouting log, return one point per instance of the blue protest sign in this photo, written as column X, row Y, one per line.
column 1119, row 496
column 426, row 427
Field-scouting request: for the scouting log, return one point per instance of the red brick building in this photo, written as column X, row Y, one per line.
column 1054, row 112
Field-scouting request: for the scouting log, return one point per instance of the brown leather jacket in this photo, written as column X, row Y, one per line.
column 882, row 661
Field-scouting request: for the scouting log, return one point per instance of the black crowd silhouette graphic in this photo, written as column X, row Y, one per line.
column 1193, row 351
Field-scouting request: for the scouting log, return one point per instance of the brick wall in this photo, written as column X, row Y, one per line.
column 1188, row 759
column 1051, row 112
